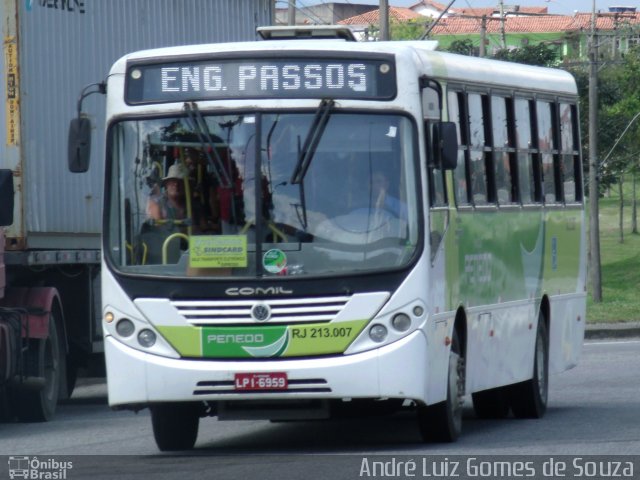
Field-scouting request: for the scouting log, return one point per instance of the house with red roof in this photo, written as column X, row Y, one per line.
column 617, row 30
column 570, row 33
column 430, row 8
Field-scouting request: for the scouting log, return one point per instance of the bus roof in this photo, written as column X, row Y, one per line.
column 428, row 61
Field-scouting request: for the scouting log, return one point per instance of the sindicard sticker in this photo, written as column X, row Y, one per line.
column 218, row 251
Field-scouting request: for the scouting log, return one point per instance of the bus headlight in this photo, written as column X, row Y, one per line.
column 378, row 333
column 401, row 322
column 146, row 338
column 125, row 327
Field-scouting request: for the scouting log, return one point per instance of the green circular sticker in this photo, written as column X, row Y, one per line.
column 274, row 261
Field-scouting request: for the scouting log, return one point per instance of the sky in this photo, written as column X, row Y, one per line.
column 560, row 7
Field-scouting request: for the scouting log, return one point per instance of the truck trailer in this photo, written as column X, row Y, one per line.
column 50, row 244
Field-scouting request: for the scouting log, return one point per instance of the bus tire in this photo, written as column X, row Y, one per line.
column 44, row 360
column 492, row 403
column 175, row 426
column 442, row 422
column 529, row 399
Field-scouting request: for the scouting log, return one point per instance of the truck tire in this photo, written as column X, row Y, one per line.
column 42, row 360
column 175, row 426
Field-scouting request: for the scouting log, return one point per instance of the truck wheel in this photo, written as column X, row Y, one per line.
column 175, row 426
column 42, row 360
column 492, row 403
column 442, row 422
column 529, row 399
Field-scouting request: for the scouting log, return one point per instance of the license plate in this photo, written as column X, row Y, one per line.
column 261, row 381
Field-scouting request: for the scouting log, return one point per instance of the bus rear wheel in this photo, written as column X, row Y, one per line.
column 529, row 399
column 175, row 426
column 442, row 422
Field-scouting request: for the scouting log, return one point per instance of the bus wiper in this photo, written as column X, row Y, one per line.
column 199, row 125
column 305, row 155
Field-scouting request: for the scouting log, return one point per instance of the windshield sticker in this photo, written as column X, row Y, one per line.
column 218, row 251
column 275, row 261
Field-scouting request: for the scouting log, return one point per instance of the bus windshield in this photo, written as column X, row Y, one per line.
column 218, row 195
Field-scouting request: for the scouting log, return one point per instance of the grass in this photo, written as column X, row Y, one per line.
column 620, row 264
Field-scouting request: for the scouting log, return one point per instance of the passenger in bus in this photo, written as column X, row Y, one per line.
column 205, row 203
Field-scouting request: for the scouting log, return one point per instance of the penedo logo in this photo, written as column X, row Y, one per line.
column 33, row 468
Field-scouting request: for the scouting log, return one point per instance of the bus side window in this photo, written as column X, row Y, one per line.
column 461, row 175
column 431, row 115
column 526, row 155
column 569, row 152
column 503, row 152
column 437, row 192
column 477, row 142
column 547, row 144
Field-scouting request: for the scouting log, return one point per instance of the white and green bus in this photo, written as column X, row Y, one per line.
column 358, row 227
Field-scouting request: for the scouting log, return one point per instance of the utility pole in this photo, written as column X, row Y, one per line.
column 594, row 222
column 483, row 37
column 384, row 20
column 503, row 36
column 291, row 11
column 435, row 22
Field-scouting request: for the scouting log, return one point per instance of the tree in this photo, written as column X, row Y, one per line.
column 620, row 111
column 409, row 30
column 462, row 47
column 540, row 54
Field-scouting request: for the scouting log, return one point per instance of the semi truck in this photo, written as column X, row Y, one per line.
column 50, row 218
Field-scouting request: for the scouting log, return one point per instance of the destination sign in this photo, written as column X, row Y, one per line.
column 262, row 78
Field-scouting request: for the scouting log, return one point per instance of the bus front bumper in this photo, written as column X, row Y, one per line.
column 397, row 370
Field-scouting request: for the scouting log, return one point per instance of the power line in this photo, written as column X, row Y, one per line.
column 303, row 11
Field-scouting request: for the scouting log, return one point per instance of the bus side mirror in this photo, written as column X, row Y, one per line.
column 445, row 145
column 6, row 197
column 79, row 145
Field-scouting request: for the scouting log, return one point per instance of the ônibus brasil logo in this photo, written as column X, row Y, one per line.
column 34, row 468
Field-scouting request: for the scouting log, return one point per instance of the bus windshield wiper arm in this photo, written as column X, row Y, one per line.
column 305, row 156
column 199, row 125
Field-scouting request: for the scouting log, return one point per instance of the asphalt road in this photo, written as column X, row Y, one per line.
column 594, row 409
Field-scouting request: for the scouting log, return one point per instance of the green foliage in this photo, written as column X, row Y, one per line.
column 540, row 54
column 620, row 266
column 618, row 104
column 410, row 30
column 618, row 114
column 463, row 47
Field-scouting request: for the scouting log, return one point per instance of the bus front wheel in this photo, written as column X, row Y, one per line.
column 442, row 422
column 175, row 425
